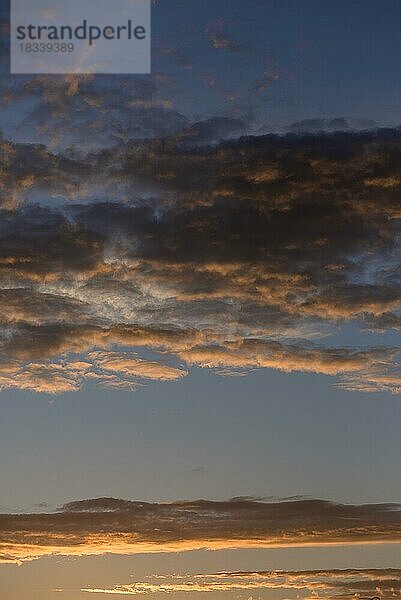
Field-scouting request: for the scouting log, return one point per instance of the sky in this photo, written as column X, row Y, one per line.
column 269, row 64
column 200, row 311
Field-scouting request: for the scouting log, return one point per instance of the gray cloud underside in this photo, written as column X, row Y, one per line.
column 109, row 525
column 233, row 256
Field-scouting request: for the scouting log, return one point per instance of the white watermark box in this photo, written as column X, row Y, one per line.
column 80, row 36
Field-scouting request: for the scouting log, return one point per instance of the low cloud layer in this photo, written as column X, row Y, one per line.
column 336, row 583
column 232, row 256
column 108, row 525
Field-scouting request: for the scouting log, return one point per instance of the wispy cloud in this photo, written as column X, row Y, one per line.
column 220, row 39
column 385, row 583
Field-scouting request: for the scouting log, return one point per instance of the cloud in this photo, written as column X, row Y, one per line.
column 64, row 109
column 110, row 369
column 108, row 525
column 230, row 255
column 176, row 55
column 335, row 583
column 220, row 40
column 126, row 364
column 209, row 132
column 329, row 125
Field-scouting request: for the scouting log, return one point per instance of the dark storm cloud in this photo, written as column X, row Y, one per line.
column 233, row 255
column 39, row 243
column 27, row 168
column 29, row 306
column 124, row 527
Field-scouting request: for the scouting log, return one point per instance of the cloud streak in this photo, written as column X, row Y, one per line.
column 336, row 583
column 108, row 525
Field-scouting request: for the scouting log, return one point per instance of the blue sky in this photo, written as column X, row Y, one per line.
column 266, row 434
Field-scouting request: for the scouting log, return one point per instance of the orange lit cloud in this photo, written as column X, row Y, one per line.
column 124, row 527
column 324, row 584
